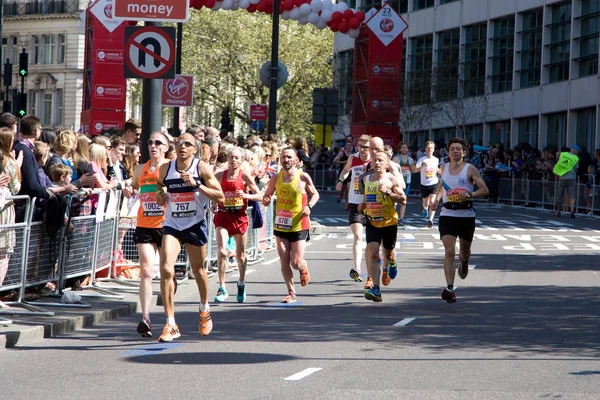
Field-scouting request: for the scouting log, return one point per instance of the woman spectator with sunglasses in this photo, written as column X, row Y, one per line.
column 149, row 230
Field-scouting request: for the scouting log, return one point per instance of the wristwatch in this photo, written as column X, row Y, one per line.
column 388, row 192
column 309, row 206
column 470, row 195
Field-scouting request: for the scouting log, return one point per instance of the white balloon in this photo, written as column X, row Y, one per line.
column 327, row 5
column 326, row 15
column 244, row 4
column 304, row 10
column 303, row 19
column 217, row 6
column 227, row 4
column 295, row 14
column 321, row 24
column 354, row 33
column 285, row 15
column 313, row 17
column 316, row 5
column 254, row 1
column 341, row 6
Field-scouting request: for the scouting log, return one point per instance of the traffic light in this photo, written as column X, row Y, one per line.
column 21, row 105
column 7, row 74
column 23, row 61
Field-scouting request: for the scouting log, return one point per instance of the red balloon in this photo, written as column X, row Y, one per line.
column 288, row 5
column 298, row 3
column 360, row 15
column 261, row 6
column 354, row 23
column 251, row 8
column 348, row 15
column 333, row 26
column 209, row 3
column 337, row 17
column 343, row 27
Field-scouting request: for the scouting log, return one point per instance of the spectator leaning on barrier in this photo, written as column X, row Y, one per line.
column 566, row 170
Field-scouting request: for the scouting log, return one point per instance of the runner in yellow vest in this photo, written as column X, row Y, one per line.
column 566, row 169
column 381, row 191
column 292, row 208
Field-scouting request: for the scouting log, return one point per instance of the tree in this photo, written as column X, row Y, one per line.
column 224, row 51
column 416, row 109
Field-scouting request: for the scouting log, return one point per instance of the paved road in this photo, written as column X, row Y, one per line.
column 525, row 326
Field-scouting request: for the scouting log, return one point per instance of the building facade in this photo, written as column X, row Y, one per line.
column 52, row 33
column 509, row 71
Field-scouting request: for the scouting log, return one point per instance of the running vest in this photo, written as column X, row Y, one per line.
column 185, row 204
column 357, row 169
column 150, row 214
column 380, row 209
column 232, row 202
column 429, row 171
column 453, row 186
column 289, row 205
column 405, row 167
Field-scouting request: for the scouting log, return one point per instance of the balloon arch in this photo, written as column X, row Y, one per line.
column 321, row 13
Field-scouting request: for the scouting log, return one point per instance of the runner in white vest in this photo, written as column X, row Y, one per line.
column 428, row 166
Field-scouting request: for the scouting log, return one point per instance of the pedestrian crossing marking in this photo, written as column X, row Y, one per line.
column 404, row 322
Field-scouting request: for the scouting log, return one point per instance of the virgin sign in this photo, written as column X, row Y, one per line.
column 178, row 92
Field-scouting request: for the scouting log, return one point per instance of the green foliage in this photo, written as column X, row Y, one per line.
column 224, row 51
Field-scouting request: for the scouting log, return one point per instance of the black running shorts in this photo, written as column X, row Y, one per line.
column 293, row 236
column 463, row 228
column 386, row 235
column 427, row 191
column 149, row 235
column 196, row 235
column 354, row 216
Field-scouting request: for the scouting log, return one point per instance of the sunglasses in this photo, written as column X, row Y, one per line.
column 268, row 155
column 185, row 143
column 363, row 147
column 154, row 142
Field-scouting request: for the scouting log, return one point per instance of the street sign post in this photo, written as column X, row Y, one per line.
column 258, row 125
column 258, row 112
column 152, row 10
column 178, row 92
column 149, row 52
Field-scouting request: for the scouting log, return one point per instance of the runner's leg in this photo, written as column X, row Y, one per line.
column 431, row 199
column 240, row 251
column 372, row 259
column 465, row 250
column 147, row 253
column 357, row 231
column 449, row 256
column 283, row 249
column 197, row 256
column 222, row 253
column 168, row 255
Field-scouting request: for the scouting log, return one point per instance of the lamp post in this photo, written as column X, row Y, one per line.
column 272, row 127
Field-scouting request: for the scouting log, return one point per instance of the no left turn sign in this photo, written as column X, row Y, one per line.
column 149, row 52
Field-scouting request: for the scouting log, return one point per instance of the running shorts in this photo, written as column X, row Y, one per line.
column 196, row 235
column 354, row 216
column 236, row 223
column 463, row 228
column 386, row 235
column 293, row 236
column 426, row 191
column 149, row 235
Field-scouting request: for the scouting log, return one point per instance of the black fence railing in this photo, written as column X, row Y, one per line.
column 13, row 9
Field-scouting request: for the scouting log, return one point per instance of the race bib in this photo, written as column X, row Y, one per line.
column 149, row 206
column 454, row 195
column 405, row 172
column 374, row 209
column 183, row 205
column 356, row 173
column 283, row 219
column 232, row 203
column 429, row 173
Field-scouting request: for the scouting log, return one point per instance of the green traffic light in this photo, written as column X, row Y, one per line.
column 22, row 113
column 23, row 72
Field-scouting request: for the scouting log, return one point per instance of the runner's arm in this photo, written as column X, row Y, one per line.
column 269, row 191
column 474, row 176
column 336, row 160
column 397, row 191
column 135, row 185
column 161, row 189
column 344, row 173
column 312, row 191
column 251, row 186
column 211, row 187
column 397, row 173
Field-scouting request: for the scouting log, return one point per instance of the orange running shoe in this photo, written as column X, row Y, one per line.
column 304, row 275
column 385, row 277
column 290, row 298
column 369, row 283
column 206, row 324
column 169, row 333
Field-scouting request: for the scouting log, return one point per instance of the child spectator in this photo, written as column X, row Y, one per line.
column 61, row 175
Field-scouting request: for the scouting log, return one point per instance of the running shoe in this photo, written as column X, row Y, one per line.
column 169, row 333
column 354, row 274
column 463, row 269
column 304, row 275
column 241, row 295
column 393, row 270
column 290, row 298
column 144, row 328
column 221, row 295
column 373, row 294
column 425, row 214
column 430, row 224
column 385, row 277
column 449, row 295
column 206, row 324
column 401, row 222
column 369, row 283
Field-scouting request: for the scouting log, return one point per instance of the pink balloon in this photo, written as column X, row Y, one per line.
column 337, row 17
column 348, row 15
column 354, row 23
column 343, row 27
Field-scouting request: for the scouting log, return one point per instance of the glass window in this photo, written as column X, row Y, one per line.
column 5, row 53
column 531, row 48
column 46, row 116
column 442, row 136
column 474, row 134
column 35, row 50
column 61, row 49
column 503, row 54
column 344, row 76
column 560, row 38
column 557, row 130
column 421, row 4
column 528, row 130
column 589, row 38
column 59, row 107
column 401, row 6
column 586, row 127
column 447, row 65
column 500, row 133
column 474, row 61
column 447, row 1
column 419, row 84
column 33, row 102
column 48, row 49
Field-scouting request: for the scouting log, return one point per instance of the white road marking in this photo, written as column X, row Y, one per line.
column 472, row 266
column 273, row 261
column 249, row 271
column 302, row 374
column 404, row 322
column 318, row 237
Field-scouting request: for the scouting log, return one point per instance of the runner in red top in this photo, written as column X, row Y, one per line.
column 231, row 219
